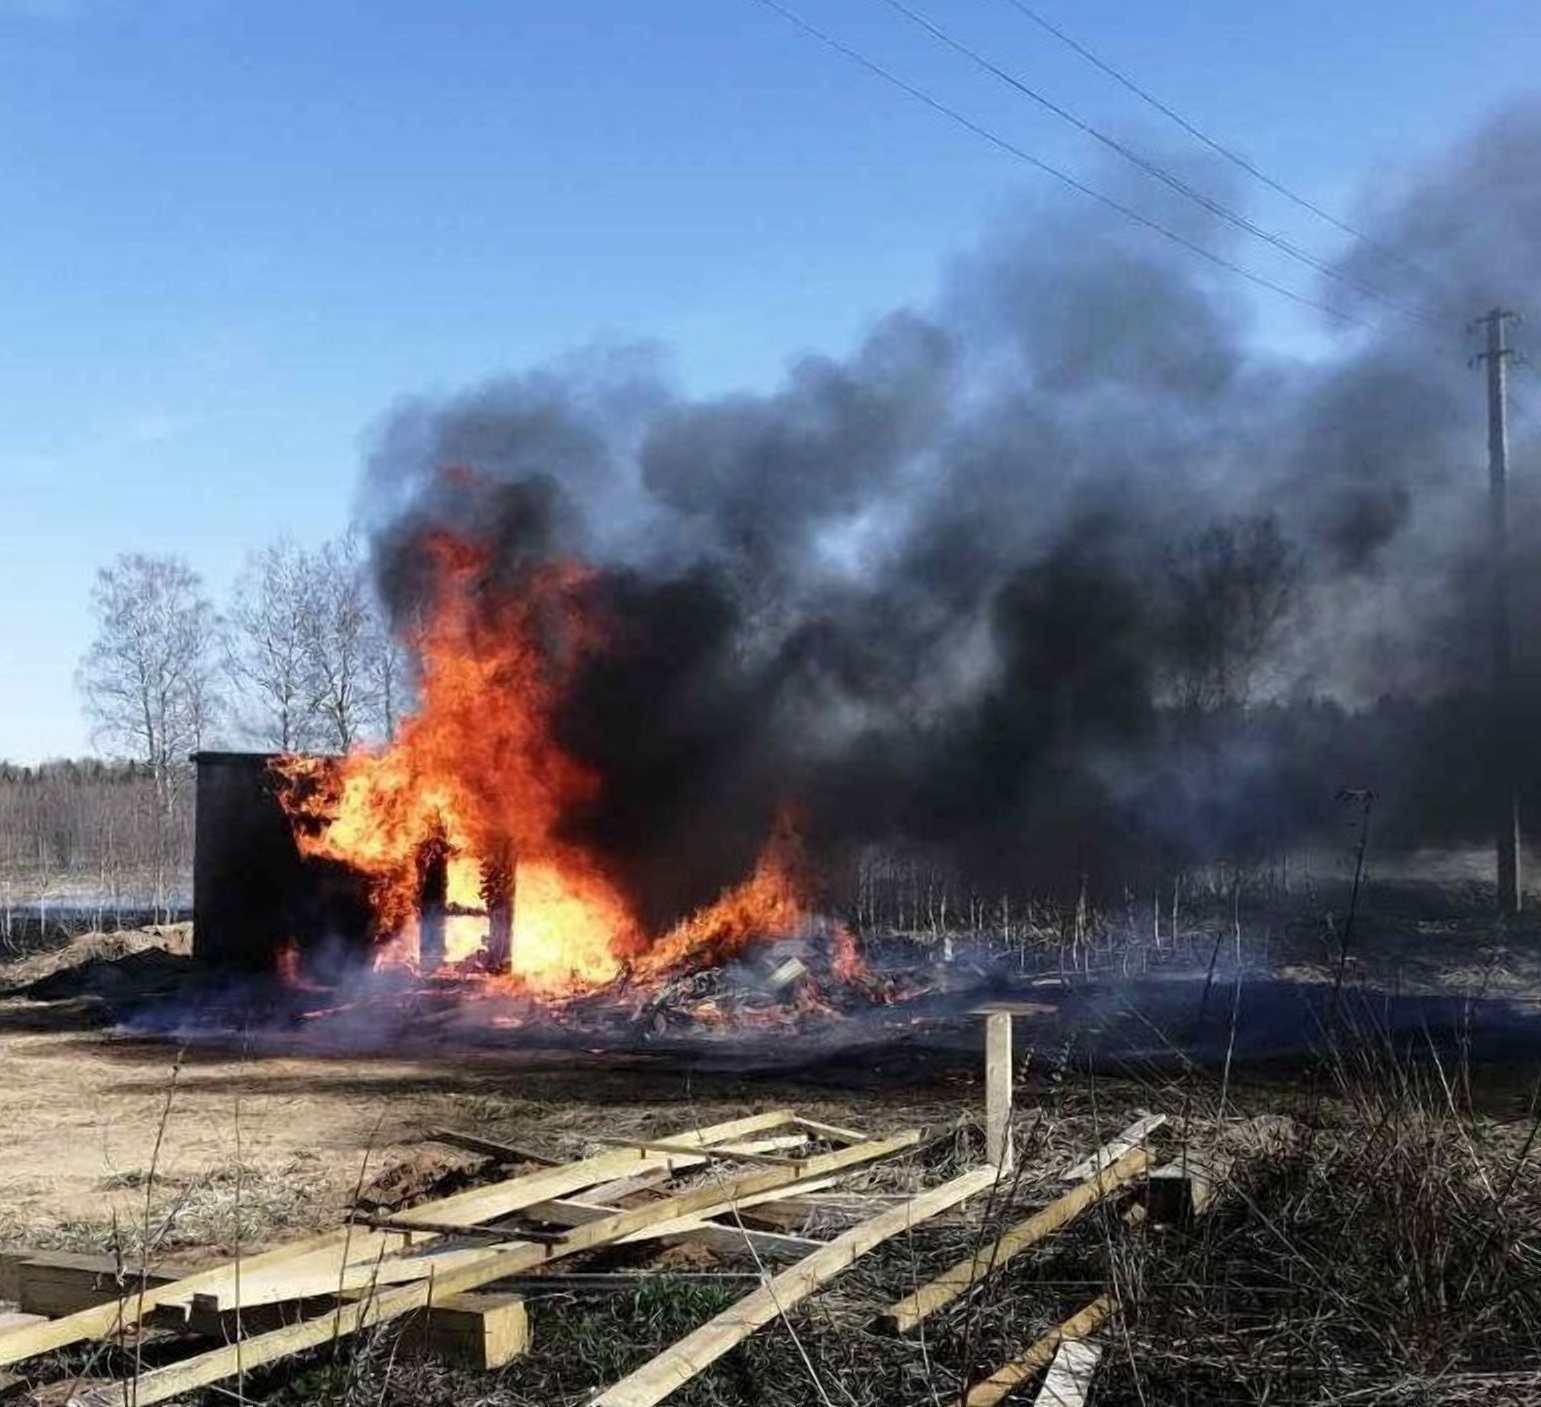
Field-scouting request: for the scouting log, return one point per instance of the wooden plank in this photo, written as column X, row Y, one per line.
column 1068, row 1383
column 712, row 1155
column 627, row 1186
column 1136, row 1135
column 491, row 1148
column 727, row 1240
column 999, row 1152
column 961, row 1278
column 656, row 1379
column 175, row 1379
column 609, row 1282
column 1009, row 1376
column 481, row 1332
column 833, row 1132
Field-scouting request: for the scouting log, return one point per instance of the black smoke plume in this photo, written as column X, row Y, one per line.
column 1067, row 575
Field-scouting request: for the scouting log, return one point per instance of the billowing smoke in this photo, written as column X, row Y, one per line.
column 1066, row 574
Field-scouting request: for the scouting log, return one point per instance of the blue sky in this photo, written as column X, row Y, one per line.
column 232, row 234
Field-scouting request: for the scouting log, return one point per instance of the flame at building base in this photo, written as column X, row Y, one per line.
column 459, row 825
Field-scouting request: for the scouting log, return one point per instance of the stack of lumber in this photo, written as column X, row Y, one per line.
column 455, row 1269
column 429, row 1262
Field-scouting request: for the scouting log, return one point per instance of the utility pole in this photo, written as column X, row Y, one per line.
column 1502, row 780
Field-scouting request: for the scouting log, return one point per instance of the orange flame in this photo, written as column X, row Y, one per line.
column 476, row 784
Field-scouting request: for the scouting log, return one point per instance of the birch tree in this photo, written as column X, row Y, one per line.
column 148, row 678
column 340, row 640
column 271, row 635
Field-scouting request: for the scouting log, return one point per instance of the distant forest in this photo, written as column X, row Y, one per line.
column 89, row 842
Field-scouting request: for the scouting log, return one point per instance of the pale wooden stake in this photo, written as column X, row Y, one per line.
column 1068, row 1383
column 998, row 1145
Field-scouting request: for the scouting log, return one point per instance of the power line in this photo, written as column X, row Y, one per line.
column 1151, row 168
column 1021, row 154
column 1213, row 143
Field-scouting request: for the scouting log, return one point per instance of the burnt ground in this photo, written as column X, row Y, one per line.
column 1389, row 1253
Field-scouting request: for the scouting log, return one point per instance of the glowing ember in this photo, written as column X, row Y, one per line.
column 458, row 825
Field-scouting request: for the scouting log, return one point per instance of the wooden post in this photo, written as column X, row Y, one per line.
column 432, row 894
column 998, row 1071
column 499, row 875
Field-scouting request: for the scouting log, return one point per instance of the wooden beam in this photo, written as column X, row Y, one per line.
column 999, row 1152
column 490, row 1148
column 609, row 1282
column 655, row 1380
column 727, row 1240
column 1135, row 1136
column 961, row 1278
column 176, row 1379
column 711, row 1155
column 681, row 1217
column 1068, row 1383
column 832, row 1132
column 488, row 1203
column 476, row 1331
column 423, row 1224
column 498, row 1232
column 1005, row 1379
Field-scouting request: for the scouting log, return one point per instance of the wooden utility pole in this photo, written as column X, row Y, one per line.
column 1502, row 779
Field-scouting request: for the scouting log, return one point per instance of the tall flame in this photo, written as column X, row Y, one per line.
column 466, row 808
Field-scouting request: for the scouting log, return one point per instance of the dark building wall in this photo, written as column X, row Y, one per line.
column 252, row 891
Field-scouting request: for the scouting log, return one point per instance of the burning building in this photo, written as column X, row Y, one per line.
column 457, row 846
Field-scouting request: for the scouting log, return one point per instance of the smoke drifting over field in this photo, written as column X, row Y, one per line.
column 1061, row 574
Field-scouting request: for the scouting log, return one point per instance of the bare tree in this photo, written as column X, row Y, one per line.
column 340, row 638
column 390, row 683
column 271, row 638
column 149, row 677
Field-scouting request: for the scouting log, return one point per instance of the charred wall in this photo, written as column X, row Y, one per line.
column 252, row 890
